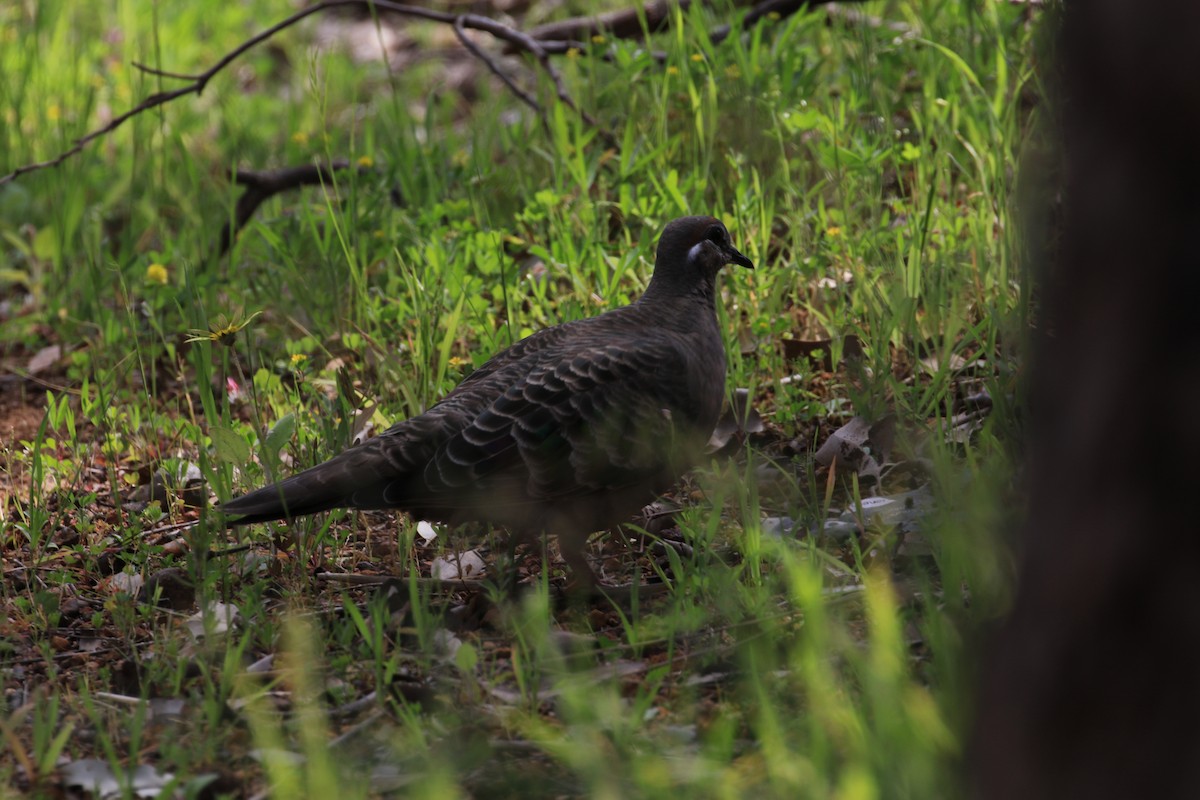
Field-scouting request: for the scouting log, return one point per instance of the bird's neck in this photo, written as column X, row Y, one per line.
column 663, row 291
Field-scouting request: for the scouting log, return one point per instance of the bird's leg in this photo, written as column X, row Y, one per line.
column 507, row 573
column 582, row 580
column 585, row 585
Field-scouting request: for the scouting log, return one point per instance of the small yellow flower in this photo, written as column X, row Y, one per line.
column 366, row 162
column 572, row 52
column 598, row 39
column 156, row 273
column 672, row 70
column 697, row 57
column 298, row 360
column 223, row 332
column 457, row 362
column 833, row 231
column 53, row 112
column 300, row 137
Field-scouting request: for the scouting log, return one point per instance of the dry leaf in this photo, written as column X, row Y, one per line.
column 458, row 566
column 44, row 359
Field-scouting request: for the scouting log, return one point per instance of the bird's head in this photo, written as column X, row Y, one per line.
column 692, row 250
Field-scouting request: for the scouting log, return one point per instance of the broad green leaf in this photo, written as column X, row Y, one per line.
column 280, row 434
column 231, row 448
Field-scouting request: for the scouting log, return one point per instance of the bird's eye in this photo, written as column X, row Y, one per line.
column 716, row 234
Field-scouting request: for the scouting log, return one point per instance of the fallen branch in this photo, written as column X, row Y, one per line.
column 624, row 24
column 260, row 186
column 654, row 17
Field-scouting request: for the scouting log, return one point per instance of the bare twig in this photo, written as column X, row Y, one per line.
column 171, row 528
column 436, row 584
column 477, row 51
column 530, row 45
column 198, row 82
column 162, row 73
column 162, row 98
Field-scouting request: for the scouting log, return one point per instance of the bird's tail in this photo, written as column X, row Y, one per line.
column 371, row 475
column 321, row 488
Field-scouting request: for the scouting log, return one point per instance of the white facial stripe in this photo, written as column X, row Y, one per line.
column 694, row 253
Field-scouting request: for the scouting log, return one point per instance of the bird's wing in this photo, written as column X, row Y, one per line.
column 606, row 417
column 527, row 352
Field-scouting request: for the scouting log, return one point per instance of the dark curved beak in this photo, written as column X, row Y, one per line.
column 737, row 258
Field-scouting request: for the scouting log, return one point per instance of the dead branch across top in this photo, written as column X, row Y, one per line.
column 543, row 42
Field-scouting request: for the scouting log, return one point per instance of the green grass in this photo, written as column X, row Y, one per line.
column 867, row 169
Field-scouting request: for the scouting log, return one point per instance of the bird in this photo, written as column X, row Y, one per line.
column 568, row 432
